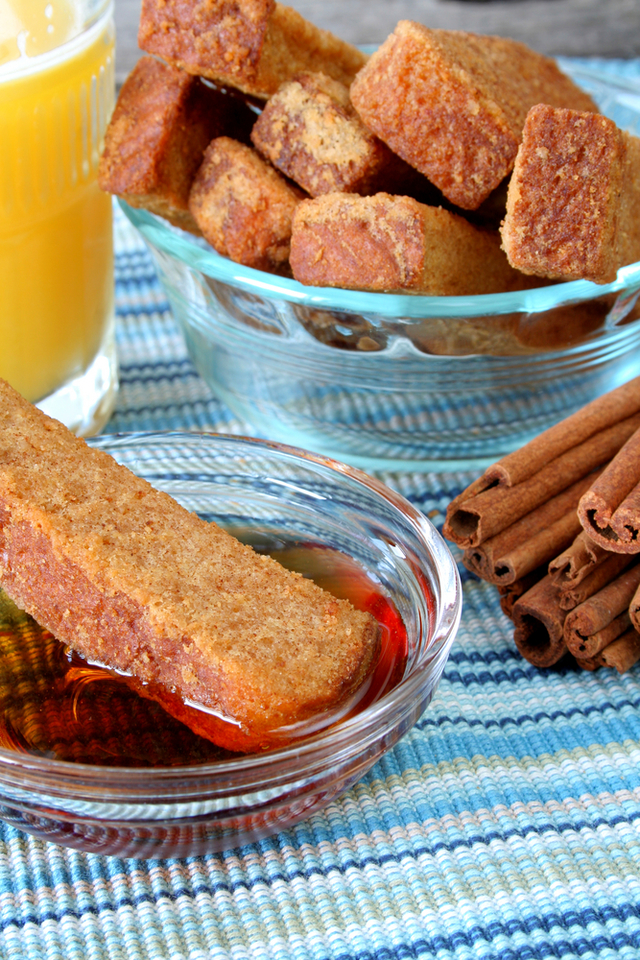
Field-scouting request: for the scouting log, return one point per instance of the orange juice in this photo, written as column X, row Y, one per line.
column 56, row 247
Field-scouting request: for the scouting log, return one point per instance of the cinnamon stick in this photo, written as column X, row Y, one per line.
column 610, row 510
column 594, row 644
column 603, row 617
column 476, row 562
column 539, row 624
column 590, row 663
column 634, row 609
column 511, row 592
column 622, row 653
column 473, row 520
column 577, row 561
column 533, row 540
column 595, row 417
column 521, row 515
column 571, row 595
column 540, row 549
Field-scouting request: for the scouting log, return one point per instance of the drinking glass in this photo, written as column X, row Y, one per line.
column 56, row 240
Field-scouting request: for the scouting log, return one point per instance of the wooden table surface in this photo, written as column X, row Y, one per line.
column 608, row 28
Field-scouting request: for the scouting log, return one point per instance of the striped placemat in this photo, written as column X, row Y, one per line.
column 505, row 825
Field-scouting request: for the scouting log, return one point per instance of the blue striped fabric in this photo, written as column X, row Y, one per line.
column 505, row 825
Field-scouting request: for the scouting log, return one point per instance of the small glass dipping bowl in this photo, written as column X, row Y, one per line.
column 387, row 381
column 272, row 495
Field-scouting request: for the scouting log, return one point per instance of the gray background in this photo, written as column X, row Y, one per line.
column 607, row 28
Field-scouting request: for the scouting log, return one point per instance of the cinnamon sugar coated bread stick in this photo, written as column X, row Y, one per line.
column 129, row 578
column 253, row 45
column 453, row 104
column 434, row 116
column 573, row 198
column 310, row 131
column 162, row 122
column 243, row 206
column 387, row 242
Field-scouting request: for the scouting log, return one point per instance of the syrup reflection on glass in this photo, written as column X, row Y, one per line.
column 55, row 704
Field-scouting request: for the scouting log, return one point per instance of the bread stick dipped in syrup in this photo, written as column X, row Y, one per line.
column 128, row 578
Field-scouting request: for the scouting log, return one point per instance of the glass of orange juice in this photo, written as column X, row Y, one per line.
column 56, row 242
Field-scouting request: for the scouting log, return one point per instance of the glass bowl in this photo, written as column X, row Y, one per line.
column 274, row 497
column 385, row 381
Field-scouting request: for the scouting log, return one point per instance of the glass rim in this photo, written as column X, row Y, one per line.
column 22, row 67
column 170, row 240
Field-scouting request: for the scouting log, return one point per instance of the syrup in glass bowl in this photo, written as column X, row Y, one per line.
column 88, row 763
column 55, row 704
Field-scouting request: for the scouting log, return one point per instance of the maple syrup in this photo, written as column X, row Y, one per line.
column 55, row 704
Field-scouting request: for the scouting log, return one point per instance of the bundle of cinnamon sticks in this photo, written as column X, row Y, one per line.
column 556, row 527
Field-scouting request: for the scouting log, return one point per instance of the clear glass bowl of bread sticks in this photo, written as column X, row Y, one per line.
column 87, row 762
column 402, row 380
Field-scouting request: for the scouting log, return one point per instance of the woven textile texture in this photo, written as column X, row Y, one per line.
column 506, row 824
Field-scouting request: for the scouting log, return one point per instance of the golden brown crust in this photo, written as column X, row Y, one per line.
column 368, row 243
column 573, row 197
column 310, row 131
column 220, row 39
column 453, row 104
column 128, row 577
column 243, row 206
column 162, row 122
column 628, row 234
column 253, row 45
column 386, row 243
column 294, row 45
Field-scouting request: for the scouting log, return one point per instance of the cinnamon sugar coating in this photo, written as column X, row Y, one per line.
column 453, row 104
column 254, row 45
column 310, row 131
column 162, row 122
column 574, row 196
column 129, row 578
column 243, row 206
column 387, row 243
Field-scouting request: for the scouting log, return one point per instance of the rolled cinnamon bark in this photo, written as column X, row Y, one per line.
column 539, row 624
column 476, row 562
column 594, row 644
column 622, row 653
column 571, row 595
column 634, row 610
column 519, row 516
column 590, row 663
column 599, row 415
column 610, row 510
column 471, row 521
column 577, row 561
column 511, row 592
column 540, row 549
column 533, row 540
column 603, row 617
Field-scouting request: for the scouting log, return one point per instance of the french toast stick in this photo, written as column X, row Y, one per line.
column 453, row 104
column 243, row 206
column 573, row 198
column 390, row 243
column 310, row 131
column 162, row 122
column 252, row 45
column 130, row 579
